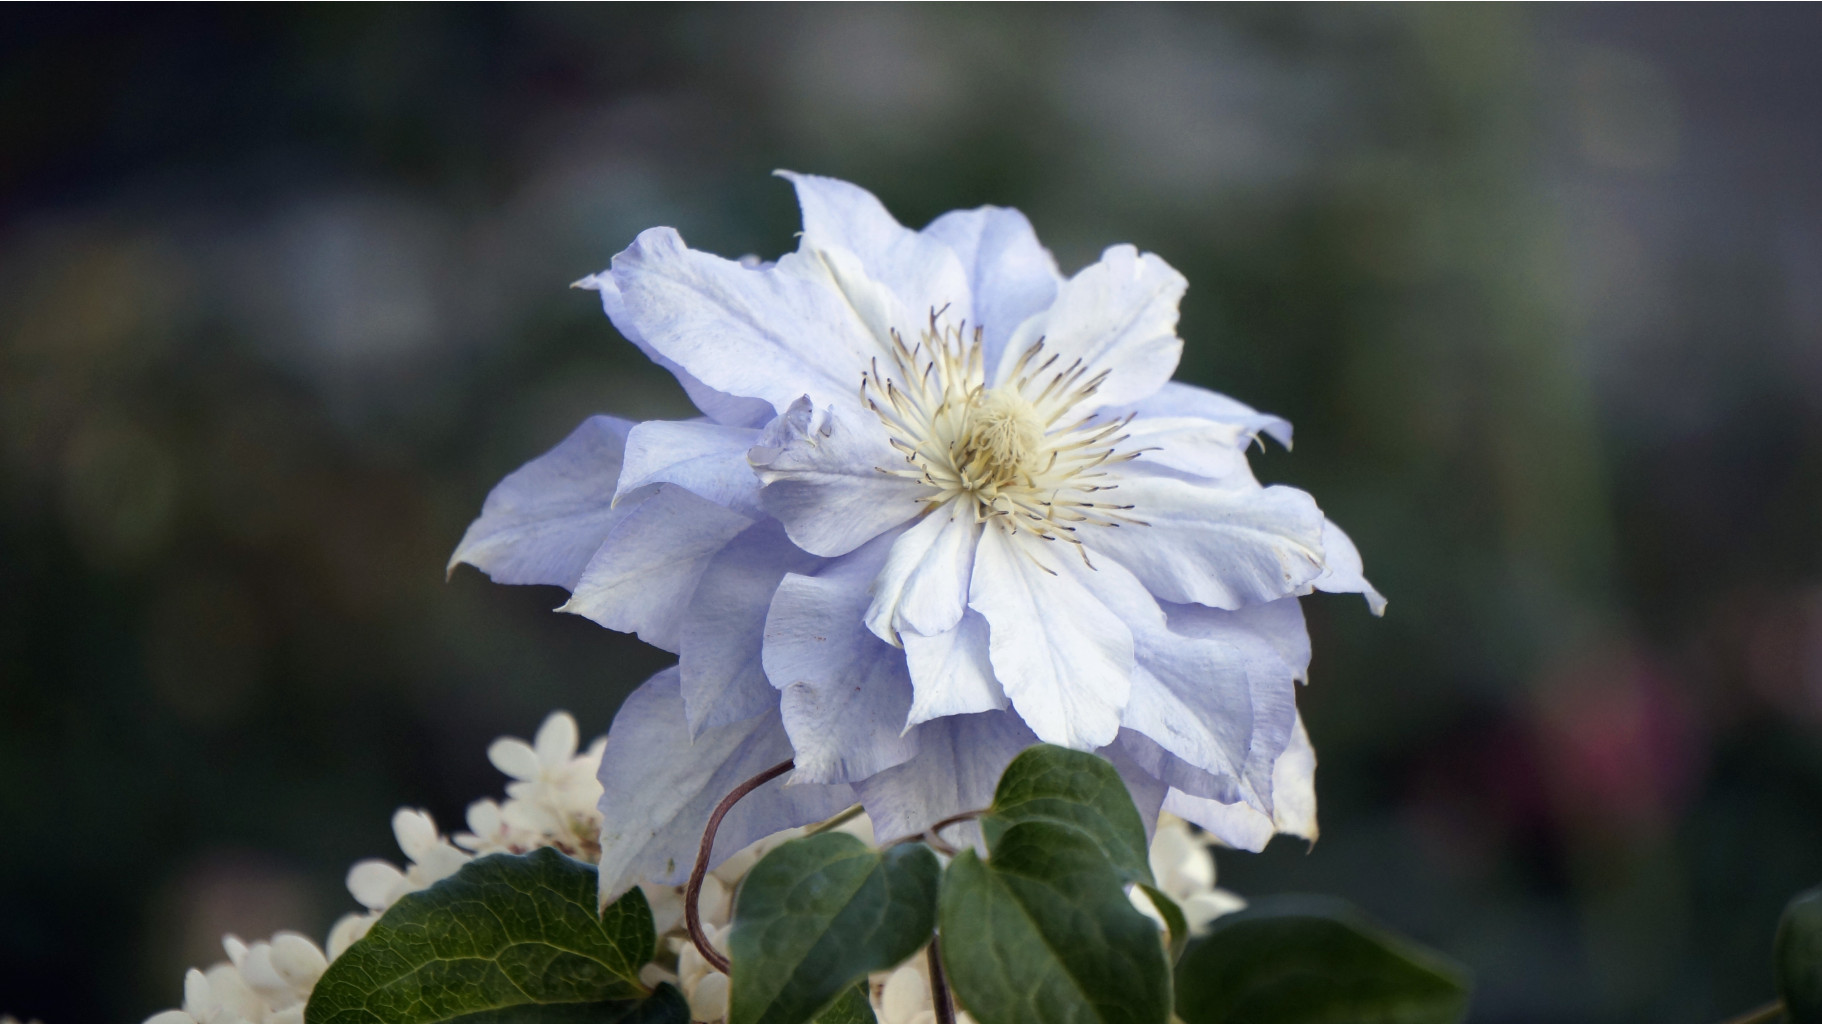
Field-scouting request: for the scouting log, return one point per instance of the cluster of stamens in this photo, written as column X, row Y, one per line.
column 1012, row 452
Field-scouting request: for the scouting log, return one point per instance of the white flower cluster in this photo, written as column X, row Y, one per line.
column 550, row 802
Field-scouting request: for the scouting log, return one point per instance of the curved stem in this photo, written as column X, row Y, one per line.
column 692, row 915
column 1763, row 1015
column 940, row 998
column 836, row 822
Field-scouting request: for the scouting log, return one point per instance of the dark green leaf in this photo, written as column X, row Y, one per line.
column 1044, row 932
column 1297, row 960
column 665, row 1005
column 1798, row 953
column 820, row 913
column 1076, row 789
column 1174, row 920
column 503, row 932
column 852, row 1008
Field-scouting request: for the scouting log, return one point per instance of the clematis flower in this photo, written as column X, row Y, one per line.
column 942, row 503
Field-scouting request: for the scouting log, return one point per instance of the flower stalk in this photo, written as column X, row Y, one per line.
column 692, row 914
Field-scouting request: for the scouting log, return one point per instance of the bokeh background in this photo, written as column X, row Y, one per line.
column 282, row 294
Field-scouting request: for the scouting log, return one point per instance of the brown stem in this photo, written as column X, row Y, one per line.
column 939, row 986
column 1763, row 1015
column 692, row 915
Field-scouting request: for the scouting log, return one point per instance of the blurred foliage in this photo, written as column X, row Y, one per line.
column 281, row 296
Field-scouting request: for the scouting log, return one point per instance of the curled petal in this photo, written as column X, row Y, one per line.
column 545, row 520
column 641, row 579
column 952, row 672
column 923, row 586
column 959, row 761
column 1118, row 315
column 707, row 459
column 1247, row 828
column 1178, row 399
column 825, row 482
column 1221, row 547
column 1343, row 572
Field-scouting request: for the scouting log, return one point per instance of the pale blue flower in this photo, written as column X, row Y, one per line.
column 943, row 503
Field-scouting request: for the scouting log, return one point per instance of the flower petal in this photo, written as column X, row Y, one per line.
column 544, row 521
column 1119, row 314
column 723, row 679
column 556, row 741
column 1064, row 660
column 707, row 459
column 923, row 587
column 659, row 787
column 641, row 579
column 1278, row 623
column 1190, row 444
column 1178, row 399
column 716, row 405
column 1344, row 573
column 952, row 672
column 925, row 273
column 959, row 761
column 1222, row 702
column 1010, row 274
column 1247, row 828
column 1222, row 547
column 808, row 324
column 514, row 758
column 824, row 483
column 845, row 693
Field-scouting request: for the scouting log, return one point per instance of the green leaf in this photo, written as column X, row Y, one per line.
column 1044, row 932
column 1173, row 920
column 665, row 1005
column 1299, row 960
column 852, row 1008
column 820, row 913
column 1798, row 954
column 504, row 932
column 1074, row 789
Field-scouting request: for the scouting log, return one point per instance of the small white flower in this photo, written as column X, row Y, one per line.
column 1184, row 868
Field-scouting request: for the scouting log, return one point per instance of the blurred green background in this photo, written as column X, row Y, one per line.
column 282, row 294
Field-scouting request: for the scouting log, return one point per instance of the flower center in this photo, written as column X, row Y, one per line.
column 1014, row 452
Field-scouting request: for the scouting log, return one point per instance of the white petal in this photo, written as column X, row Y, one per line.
column 716, row 405
column 1011, row 275
column 198, row 1000
column 844, row 692
column 706, row 459
column 772, row 333
column 922, row 271
column 1343, row 571
column 297, row 960
column 958, row 764
column 171, row 1017
column 351, row 928
column 416, row 832
column 1247, row 828
column 1178, row 399
column 1064, row 660
column 1222, row 547
column 1119, row 315
column 658, row 788
column 514, row 758
column 641, row 579
column 724, row 680
column 824, row 482
column 556, row 740
column 1204, row 448
column 923, row 587
column 709, row 997
column 1277, row 623
column 1223, row 702
column 952, row 672
column 544, row 521
column 375, row 884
